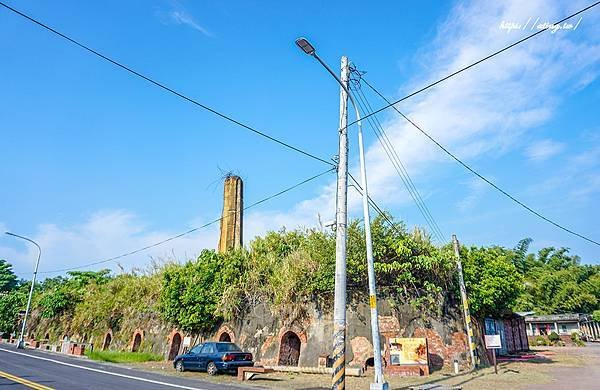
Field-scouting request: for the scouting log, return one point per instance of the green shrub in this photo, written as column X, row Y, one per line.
column 575, row 336
column 579, row 343
column 123, row 357
column 553, row 337
column 540, row 340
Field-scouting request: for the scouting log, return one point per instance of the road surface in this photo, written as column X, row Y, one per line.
column 34, row 369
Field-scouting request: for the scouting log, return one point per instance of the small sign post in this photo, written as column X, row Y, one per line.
column 493, row 342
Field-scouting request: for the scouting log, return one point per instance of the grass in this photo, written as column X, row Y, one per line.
column 123, row 357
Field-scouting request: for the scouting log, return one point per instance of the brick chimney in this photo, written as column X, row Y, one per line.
column 232, row 217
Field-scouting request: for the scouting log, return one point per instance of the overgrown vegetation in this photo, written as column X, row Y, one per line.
column 287, row 269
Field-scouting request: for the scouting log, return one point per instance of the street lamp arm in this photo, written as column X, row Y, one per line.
column 26, row 239
column 335, row 76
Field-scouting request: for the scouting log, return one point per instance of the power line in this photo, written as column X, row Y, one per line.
column 392, row 154
column 165, row 87
column 391, row 104
column 191, row 230
column 480, row 176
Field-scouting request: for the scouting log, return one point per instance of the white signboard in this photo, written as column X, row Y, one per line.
column 493, row 341
column 187, row 341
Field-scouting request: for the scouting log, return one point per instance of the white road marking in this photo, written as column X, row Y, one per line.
column 102, row 371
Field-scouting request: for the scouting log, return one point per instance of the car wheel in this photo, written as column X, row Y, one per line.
column 179, row 366
column 211, row 368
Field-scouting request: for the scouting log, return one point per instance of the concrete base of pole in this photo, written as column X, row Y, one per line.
column 379, row 386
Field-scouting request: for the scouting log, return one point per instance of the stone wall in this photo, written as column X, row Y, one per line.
column 303, row 341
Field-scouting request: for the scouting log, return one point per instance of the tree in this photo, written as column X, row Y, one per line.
column 491, row 278
column 10, row 305
column 8, row 280
column 191, row 293
column 556, row 282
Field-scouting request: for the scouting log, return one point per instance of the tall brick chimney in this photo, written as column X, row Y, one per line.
column 232, row 218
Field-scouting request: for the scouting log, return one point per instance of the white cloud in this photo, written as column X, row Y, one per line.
column 182, row 17
column 543, row 150
column 176, row 14
column 476, row 190
column 103, row 235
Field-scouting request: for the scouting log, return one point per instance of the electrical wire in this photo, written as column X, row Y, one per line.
column 480, row 176
column 394, row 158
column 391, row 104
column 191, row 230
column 165, row 87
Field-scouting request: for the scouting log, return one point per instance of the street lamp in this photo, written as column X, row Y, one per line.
column 379, row 382
column 21, row 342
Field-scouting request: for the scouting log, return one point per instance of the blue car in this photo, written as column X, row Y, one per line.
column 213, row 358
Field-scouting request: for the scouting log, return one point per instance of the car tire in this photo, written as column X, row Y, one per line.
column 212, row 369
column 179, row 366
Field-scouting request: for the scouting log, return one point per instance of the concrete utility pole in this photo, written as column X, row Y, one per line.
column 465, row 302
column 21, row 342
column 338, row 379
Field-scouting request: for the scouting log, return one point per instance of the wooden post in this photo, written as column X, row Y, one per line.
column 495, row 362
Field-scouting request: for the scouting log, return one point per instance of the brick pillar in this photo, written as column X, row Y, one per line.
column 232, row 217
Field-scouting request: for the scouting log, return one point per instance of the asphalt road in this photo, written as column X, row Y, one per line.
column 26, row 369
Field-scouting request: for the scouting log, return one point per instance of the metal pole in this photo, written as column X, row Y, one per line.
column 379, row 382
column 465, row 301
column 338, row 379
column 21, row 342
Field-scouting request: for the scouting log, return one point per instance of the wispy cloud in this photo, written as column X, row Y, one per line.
column 178, row 15
column 181, row 17
column 476, row 190
column 543, row 150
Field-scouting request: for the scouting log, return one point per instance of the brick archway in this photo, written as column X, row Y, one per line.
column 225, row 333
column 175, row 343
column 107, row 340
column 292, row 341
column 136, row 340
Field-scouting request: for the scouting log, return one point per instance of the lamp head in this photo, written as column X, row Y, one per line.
column 305, row 46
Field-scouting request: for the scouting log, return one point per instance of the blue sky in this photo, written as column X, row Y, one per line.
column 97, row 162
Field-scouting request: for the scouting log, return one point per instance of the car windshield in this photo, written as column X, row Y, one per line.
column 228, row 347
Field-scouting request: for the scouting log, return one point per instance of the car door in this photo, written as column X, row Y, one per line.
column 205, row 355
column 191, row 359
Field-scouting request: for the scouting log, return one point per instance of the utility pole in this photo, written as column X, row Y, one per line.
column 21, row 342
column 465, row 302
column 339, row 311
column 338, row 379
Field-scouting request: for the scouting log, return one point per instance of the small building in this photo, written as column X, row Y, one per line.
column 512, row 331
column 563, row 324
